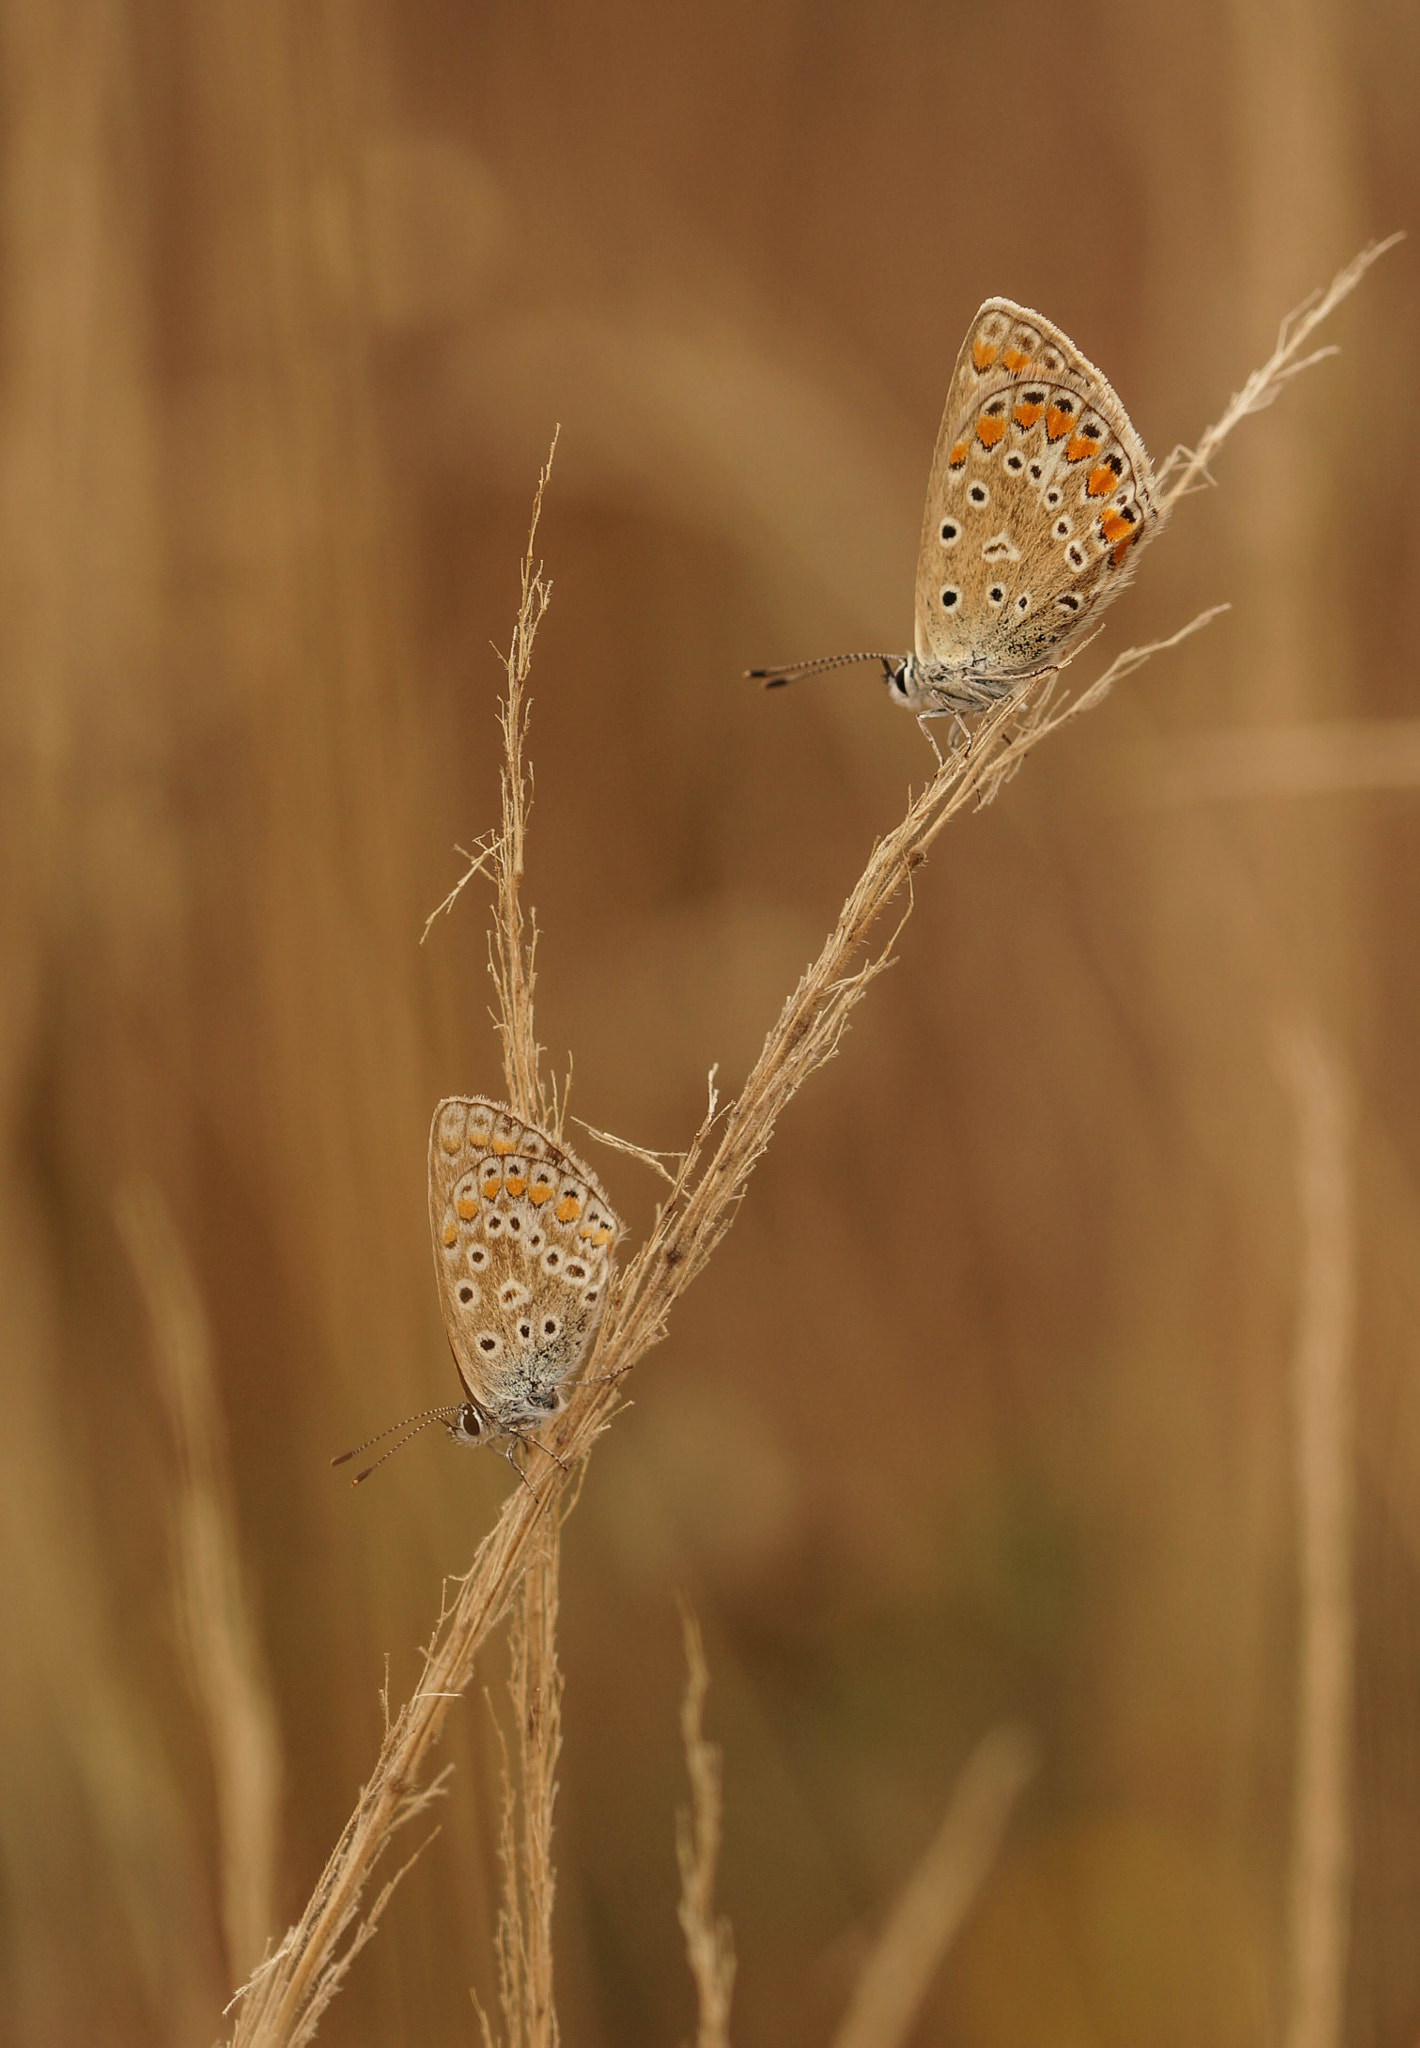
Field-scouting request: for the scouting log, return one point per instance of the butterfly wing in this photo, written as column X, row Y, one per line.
column 1041, row 496
column 524, row 1248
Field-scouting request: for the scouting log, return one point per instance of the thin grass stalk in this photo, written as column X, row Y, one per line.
column 529, row 1875
column 215, row 1621
column 934, row 1904
column 284, row 1999
column 709, row 1940
column 1185, row 466
column 536, row 1689
column 1324, row 1450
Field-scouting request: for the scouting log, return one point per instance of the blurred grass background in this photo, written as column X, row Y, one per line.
column 293, row 297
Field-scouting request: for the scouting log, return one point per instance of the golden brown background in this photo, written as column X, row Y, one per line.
column 293, row 296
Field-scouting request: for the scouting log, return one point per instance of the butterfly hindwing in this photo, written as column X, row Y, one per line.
column 1040, row 497
column 524, row 1246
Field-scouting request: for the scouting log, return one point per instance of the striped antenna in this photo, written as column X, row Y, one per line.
column 411, row 1425
column 773, row 678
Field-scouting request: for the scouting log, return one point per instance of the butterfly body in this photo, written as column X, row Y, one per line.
column 524, row 1248
column 1040, row 497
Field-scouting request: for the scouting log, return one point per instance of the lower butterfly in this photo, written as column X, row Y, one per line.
column 524, row 1249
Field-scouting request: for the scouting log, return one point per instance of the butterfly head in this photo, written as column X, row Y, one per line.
column 468, row 1425
column 900, row 675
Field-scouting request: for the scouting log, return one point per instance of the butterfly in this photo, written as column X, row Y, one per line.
column 524, row 1252
column 1040, row 499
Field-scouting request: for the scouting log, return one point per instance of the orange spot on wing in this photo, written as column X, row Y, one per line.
column 1079, row 446
column 450, row 1232
column 568, row 1209
column 984, row 354
column 1101, row 480
column 515, row 1183
column 1123, row 548
column 1112, row 527
column 1026, row 415
column 957, row 456
column 1056, row 422
column 467, row 1208
column 490, row 1183
column 502, row 1146
column 1015, row 359
column 540, row 1192
column 989, row 431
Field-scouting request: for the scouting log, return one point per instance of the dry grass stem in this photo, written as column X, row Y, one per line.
column 1324, row 1446
column 214, row 1616
column 529, row 1883
column 1327, row 758
column 525, row 1840
column 939, row 1894
column 1184, row 467
column 696, row 1213
column 709, row 1942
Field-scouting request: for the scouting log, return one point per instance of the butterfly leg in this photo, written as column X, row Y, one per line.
column 547, row 1451
column 507, row 1453
column 930, row 737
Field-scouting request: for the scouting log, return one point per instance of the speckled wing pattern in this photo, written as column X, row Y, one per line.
column 524, row 1247
column 1040, row 498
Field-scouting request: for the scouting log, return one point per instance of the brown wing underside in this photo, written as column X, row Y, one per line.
column 524, row 1246
column 1032, row 435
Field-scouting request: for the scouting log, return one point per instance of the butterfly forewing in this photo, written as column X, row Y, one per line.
column 524, row 1247
column 1040, row 498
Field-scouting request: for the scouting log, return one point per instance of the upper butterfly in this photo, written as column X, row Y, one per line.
column 1040, row 498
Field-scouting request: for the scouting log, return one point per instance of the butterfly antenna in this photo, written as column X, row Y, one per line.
column 774, row 678
column 411, row 1425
